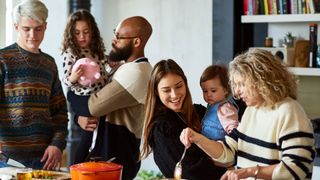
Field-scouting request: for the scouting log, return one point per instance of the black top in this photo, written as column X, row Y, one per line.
column 167, row 150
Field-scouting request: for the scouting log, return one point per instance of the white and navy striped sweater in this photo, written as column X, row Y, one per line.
column 282, row 135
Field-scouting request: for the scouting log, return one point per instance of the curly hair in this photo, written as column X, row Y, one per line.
column 96, row 45
column 265, row 73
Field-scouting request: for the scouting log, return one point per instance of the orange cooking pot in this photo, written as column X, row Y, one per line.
column 96, row 171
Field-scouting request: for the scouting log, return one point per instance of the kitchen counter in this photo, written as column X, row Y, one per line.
column 316, row 173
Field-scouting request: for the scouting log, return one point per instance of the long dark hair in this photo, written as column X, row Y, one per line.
column 154, row 106
column 96, row 45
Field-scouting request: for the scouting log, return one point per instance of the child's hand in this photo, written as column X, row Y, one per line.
column 74, row 77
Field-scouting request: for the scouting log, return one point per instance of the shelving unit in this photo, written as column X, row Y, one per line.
column 305, row 71
column 279, row 20
column 285, row 18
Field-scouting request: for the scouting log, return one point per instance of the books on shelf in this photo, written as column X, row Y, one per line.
column 274, row 7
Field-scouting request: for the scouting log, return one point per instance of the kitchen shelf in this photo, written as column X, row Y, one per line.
column 285, row 18
column 305, row 71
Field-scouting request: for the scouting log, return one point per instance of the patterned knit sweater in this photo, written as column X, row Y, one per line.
column 33, row 110
column 282, row 136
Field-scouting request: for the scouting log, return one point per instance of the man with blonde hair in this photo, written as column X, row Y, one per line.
column 33, row 114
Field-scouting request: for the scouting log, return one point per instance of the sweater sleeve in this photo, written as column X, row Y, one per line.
column 127, row 88
column 296, row 142
column 68, row 62
column 228, row 117
column 58, row 109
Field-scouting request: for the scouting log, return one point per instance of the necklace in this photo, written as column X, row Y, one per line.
column 181, row 117
column 25, row 58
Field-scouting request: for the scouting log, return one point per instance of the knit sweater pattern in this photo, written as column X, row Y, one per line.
column 33, row 113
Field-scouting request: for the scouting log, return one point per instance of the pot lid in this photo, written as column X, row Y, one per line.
column 96, row 166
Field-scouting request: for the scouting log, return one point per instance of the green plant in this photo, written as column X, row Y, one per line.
column 148, row 175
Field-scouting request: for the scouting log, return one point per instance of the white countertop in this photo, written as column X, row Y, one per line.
column 316, row 173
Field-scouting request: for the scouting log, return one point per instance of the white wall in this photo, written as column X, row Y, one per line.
column 58, row 13
column 182, row 30
column 2, row 22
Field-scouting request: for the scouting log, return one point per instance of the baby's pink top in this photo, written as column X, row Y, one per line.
column 228, row 116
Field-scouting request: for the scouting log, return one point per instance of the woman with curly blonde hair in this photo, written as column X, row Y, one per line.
column 267, row 75
column 275, row 138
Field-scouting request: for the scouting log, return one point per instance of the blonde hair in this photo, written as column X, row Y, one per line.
column 33, row 9
column 265, row 73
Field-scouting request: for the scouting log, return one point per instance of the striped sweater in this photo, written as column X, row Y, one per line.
column 281, row 136
column 33, row 110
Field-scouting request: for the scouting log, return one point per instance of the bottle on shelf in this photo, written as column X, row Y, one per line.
column 313, row 31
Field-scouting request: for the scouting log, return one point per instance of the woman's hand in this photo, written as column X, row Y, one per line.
column 212, row 148
column 189, row 136
column 88, row 123
column 239, row 173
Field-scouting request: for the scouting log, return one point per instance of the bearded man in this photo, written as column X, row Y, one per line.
column 121, row 100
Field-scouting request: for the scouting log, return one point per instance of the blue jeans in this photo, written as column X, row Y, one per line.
column 34, row 164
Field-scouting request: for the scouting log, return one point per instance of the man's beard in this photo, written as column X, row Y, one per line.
column 120, row 54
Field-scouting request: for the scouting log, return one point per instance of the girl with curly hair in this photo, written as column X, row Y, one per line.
column 82, row 40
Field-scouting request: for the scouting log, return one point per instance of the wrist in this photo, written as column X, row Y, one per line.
column 197, row 139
